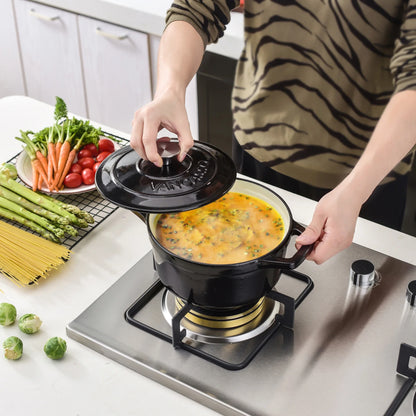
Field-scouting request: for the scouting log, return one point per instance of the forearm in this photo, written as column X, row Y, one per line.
column 180, row 53
column 393, row 137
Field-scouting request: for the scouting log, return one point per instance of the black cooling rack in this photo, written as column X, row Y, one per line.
column 91, row 202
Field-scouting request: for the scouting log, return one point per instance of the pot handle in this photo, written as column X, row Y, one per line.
column 295, row 260
column 141, row 215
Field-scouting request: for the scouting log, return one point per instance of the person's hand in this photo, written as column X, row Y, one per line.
column 333, row 224
column 166, row 111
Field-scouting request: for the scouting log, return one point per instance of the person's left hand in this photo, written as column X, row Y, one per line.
column 333, row 224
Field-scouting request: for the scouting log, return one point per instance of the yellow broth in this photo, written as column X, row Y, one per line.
column 235, row 228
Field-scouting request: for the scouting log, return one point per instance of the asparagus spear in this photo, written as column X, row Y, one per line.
column 11, row 196
column 69, row 229
column 5, row 213
column 78, row 212
column 39, row 199
column 73, row 209
column 43, row 222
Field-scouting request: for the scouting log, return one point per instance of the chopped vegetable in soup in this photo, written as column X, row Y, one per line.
column 233, row 229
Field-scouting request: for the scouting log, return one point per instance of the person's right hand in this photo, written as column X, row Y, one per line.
column 333, row 224
column 168, row 111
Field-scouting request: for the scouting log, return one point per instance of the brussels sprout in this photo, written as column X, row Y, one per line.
column 8, row 170
column 29, row 323
column 7, row 314
column 55, row 348
column 13, row 348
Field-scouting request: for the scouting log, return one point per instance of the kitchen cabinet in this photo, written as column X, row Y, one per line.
column 11, row 81
column 102, row 70
column 116, row 71
column 51, row 54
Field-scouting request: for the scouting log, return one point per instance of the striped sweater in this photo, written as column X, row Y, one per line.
column 313, row 78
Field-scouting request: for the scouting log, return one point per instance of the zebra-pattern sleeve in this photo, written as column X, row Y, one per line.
column 403, row 62
column 208, row 17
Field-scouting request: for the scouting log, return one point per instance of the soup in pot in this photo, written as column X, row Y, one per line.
column 235, row 228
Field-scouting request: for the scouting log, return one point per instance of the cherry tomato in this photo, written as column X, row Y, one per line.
column 105, row 145
column 75, row 168
column 92, row 148
column 72, row 180
column 88, row 176
column 84, row 153
column 101, row 156
column 86, row 162
column 95, row 167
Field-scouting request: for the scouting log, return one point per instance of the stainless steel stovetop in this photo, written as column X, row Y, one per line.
column 339, row 359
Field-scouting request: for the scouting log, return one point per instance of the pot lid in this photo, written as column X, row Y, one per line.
column 131, row 182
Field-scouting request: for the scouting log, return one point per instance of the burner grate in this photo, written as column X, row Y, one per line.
column 218, row 354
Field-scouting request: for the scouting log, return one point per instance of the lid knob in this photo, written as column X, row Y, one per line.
column 168, row 150
column 411, row 293
column 363, row 273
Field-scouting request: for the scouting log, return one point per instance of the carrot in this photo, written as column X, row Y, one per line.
column 60, row 143
column 67, row 166
column 37, row 158
column 40, row 181
column 70, row 159
column 52, row 153
column 42, row 174
column 63, row 157
column 35, row 178
column 51, row 156
column 58, row 147
column 51, row 169
column 42, row 159
column 51, row 150
column 46, row 170
column 37, row 167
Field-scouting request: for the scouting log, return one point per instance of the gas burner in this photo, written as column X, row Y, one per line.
column 222, row 325
column 205, row 331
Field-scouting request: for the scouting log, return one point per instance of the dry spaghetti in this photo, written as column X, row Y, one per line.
column 25, row 257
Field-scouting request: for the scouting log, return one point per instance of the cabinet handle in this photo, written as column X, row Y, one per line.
column 34, row 13
column 101, row 32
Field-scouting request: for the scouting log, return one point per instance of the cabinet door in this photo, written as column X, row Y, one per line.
column 117, row 72
column 11, row 80
column 50, row 54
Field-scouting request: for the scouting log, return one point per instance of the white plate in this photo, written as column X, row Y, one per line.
column 24, row 170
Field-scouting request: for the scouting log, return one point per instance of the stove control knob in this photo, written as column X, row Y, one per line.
column 411, row 293
column 363, row 273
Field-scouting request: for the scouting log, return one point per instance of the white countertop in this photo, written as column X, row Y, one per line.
column 149, row 17
column 85, row 382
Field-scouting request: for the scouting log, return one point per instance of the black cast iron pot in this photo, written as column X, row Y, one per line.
column 205, row 175
column 229, row 285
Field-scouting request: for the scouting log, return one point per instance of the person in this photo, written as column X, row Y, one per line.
column 324, row 103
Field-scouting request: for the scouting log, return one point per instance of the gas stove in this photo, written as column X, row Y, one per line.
column 329, row 351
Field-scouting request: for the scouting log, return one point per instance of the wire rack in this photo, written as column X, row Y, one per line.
column 91, row 202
